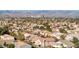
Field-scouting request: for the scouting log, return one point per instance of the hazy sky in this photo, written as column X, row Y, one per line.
column 39, row 4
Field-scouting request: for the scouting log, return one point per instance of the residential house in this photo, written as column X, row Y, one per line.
column 6, row 38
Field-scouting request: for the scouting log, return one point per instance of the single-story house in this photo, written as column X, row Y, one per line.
column 6, row 38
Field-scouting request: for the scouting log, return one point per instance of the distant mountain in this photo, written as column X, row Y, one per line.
column 48, row 13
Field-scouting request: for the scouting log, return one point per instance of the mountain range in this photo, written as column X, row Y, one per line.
column 35, row 13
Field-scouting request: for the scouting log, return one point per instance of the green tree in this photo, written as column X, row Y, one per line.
column 48, row 28
column 42, row 28
column 1, row 46
column 76, row 42
column 4, row 30
column 20, row 36
column 62, row 37
column 62, row 30
column 36, row 27
column 10, row 46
